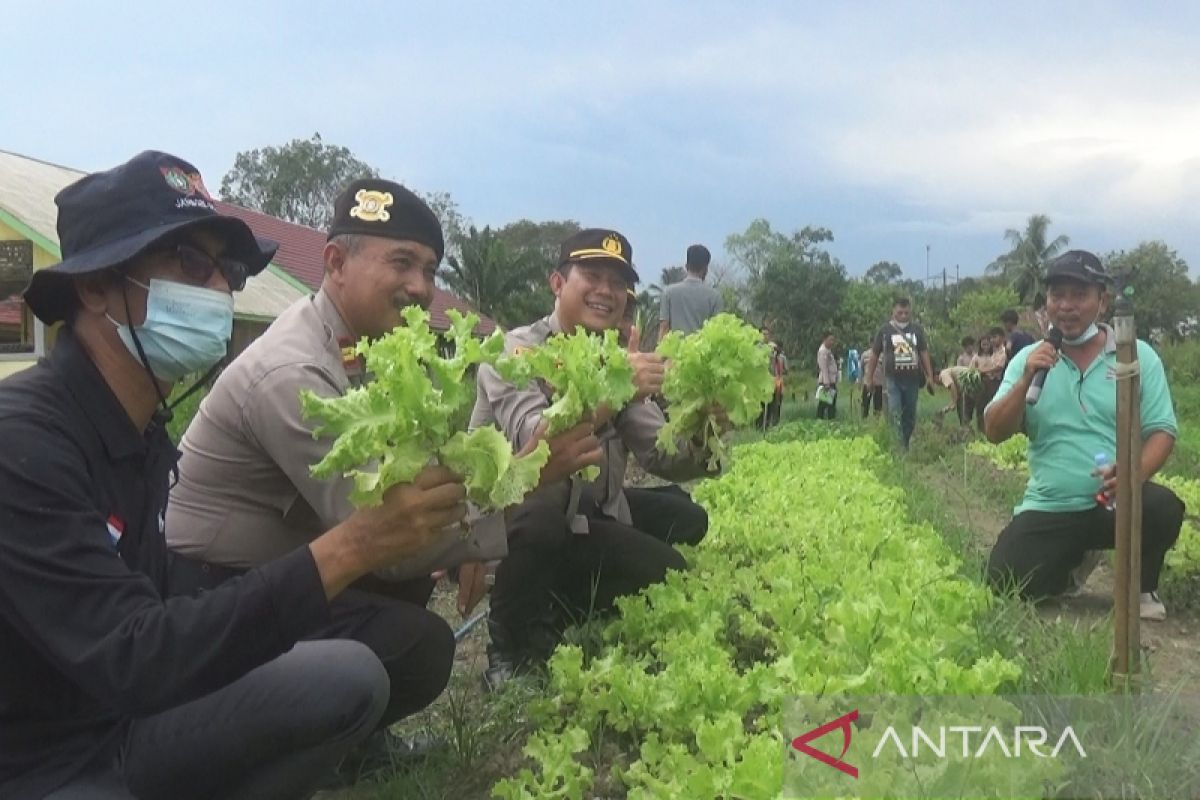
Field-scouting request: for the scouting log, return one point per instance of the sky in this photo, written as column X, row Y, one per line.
column 917, row 133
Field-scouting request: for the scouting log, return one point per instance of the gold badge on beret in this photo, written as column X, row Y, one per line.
column 612, row 244
column 372, row 205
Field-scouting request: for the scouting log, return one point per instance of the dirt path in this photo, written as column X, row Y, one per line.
column 1172, row 647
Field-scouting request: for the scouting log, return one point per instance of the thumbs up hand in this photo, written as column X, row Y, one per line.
column 648, row 368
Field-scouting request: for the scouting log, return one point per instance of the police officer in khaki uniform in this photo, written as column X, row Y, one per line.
column 567, row 538
column 245, row 494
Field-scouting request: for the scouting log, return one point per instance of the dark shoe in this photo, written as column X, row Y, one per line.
column 499, row 672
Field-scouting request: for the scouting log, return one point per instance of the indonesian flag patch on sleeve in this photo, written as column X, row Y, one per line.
column 116, row 529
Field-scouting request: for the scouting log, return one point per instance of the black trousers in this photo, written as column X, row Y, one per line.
column 415, row 645
column 553, row 577
column 667, row 513
column 1038, row 549
column 771, row 411
column 987, row 391
column 872, row 395
column 277, row 731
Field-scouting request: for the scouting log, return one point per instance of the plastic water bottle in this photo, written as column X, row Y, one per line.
column 1103, row 499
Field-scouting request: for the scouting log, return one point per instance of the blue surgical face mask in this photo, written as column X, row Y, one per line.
column 1086, row 336
column 187, row 328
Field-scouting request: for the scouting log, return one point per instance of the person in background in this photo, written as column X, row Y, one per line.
column 1039, row 313
column 872, row 393
column 827, row 378
column 854, row 366
column 990, row 361
column 1016, row 339
column 951, row 378
column 1067, row 507
column 687, row 305
column 966, row 399
column 902, row 347
column 779, row 368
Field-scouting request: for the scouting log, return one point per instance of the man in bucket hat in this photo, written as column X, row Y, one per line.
column 110, row 687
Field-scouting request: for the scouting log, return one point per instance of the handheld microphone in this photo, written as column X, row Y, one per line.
column 1053, row 336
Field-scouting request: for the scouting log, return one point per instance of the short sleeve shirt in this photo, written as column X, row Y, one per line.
column 1076, row 418
column 901, row 348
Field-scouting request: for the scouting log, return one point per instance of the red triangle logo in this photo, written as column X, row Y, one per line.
column 801, row 743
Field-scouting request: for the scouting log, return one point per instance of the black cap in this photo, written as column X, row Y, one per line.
column 599, row 244
column 107, row 218
column 375, row 207
column 698, row 256
column 1077, row 265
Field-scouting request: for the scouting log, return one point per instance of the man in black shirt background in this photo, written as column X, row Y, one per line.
column 1017, row 339
column 904, row 350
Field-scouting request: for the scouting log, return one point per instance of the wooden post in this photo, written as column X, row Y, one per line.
column 1127, row 587
column 1135, row 514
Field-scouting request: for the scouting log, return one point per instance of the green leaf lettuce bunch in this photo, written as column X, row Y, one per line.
column 725, row 363
column 414, row 409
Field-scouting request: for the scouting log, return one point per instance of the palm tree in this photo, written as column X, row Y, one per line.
column 507, row 285
column 1024, row 266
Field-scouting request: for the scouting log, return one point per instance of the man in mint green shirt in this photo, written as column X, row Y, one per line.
column 1066, row 510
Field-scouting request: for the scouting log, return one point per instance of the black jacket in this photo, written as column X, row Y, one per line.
column 89, row 638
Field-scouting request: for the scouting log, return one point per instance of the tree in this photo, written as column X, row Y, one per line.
column 980, row 310
column 1165, row 299
column 1024, row 266
column 883, row 272
column 795, row 285
column 454, row 224
column 297, row 182
column 543, row 238
column 754, row 249
column 507, row 285
column 865, row 306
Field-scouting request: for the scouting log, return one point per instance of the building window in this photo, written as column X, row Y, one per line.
column 21, row 334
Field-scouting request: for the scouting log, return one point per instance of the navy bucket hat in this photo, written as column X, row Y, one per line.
column 107, row 218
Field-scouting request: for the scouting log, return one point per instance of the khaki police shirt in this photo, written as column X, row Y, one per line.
column 245, row 495
column 633, row 430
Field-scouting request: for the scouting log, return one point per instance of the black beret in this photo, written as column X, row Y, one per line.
column 375, row 207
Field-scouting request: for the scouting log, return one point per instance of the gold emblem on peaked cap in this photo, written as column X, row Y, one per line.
column 612, row 244
column 372, row 205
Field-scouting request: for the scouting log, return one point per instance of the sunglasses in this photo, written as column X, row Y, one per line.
column 198, row 266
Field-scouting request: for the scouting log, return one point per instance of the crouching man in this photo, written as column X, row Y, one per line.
column 575, row 548
column 109, row 686
column 1066, row 511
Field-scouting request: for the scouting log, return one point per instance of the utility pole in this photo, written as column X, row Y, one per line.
column 927, row 263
